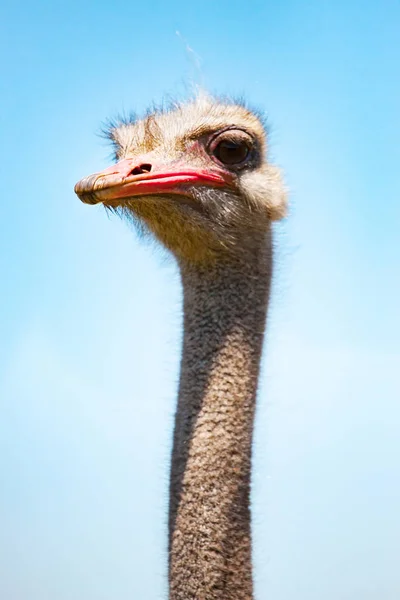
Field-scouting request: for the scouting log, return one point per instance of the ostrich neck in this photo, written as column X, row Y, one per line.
column 209, row 519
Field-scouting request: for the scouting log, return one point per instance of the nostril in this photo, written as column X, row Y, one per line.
column 144, row 168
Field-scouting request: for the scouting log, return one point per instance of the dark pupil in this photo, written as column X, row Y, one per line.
column 231, row 153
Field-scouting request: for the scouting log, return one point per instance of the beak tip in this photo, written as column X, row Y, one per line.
column 84, row 189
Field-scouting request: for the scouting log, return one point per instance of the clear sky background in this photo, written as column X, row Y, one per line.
column 90, row 319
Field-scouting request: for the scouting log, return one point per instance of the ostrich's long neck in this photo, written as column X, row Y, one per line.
column 209, row 521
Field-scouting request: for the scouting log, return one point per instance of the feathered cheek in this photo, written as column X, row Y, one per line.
column 266, row 191
column 195, row 151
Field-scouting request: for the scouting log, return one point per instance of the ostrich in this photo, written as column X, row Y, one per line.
column 196, row 176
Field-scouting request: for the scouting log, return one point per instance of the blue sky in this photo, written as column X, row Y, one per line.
column 90, row 319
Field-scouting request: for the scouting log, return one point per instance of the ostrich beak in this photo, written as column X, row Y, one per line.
column 139, row 177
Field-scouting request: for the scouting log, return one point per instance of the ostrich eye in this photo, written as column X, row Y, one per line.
column 231, row 152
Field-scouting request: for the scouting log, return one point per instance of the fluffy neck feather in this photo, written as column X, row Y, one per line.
column 209, row 521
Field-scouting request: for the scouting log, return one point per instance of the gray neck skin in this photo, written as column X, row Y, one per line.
column 209, row 519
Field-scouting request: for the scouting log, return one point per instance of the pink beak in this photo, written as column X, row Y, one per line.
column 140, row 177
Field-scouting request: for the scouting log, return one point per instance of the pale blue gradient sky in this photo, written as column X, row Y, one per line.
column 90, row 319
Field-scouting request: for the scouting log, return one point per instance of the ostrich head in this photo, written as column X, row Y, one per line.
column 197, row 176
